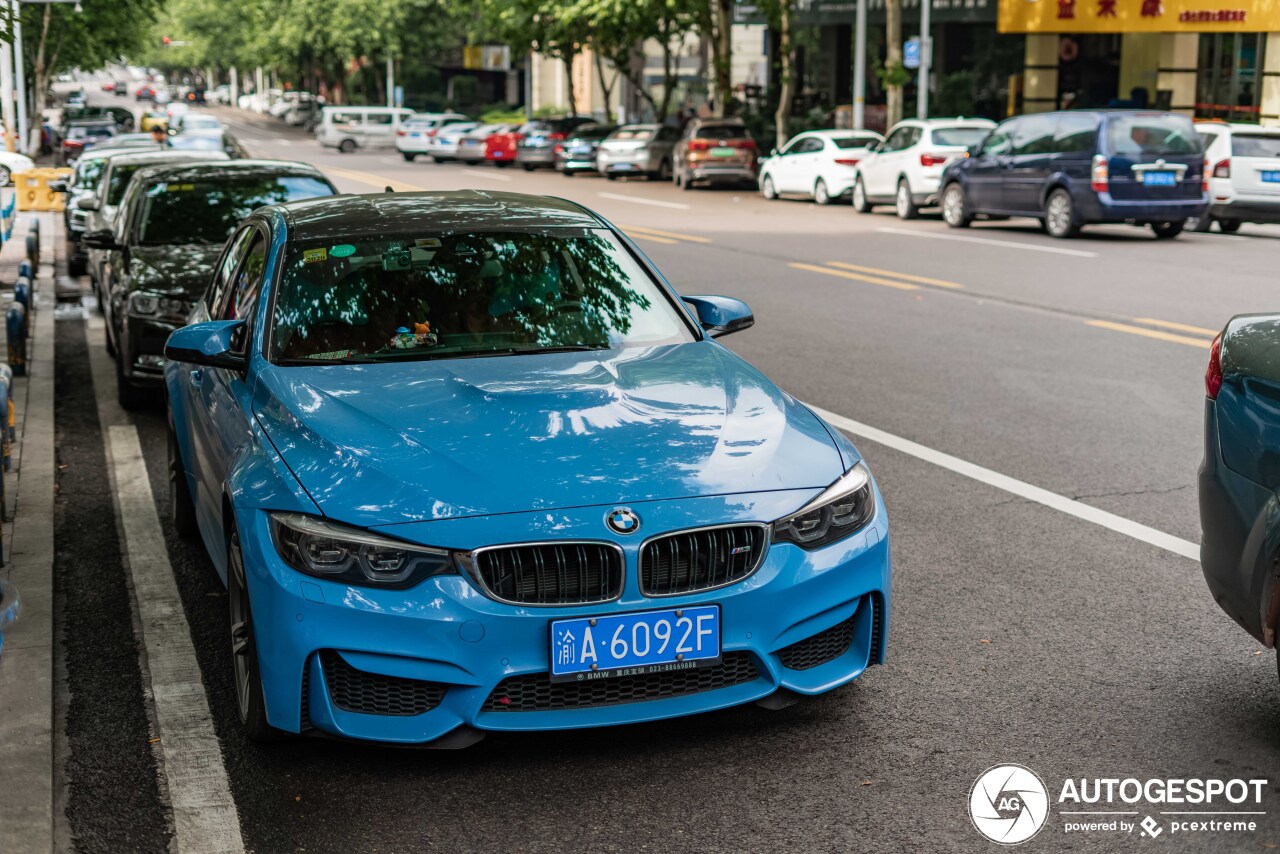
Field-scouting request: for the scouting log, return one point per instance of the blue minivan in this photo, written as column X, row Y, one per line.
column 1074, row 168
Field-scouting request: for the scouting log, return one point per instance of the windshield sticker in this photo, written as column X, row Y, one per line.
column 314, row 256
column 177, row 188
column 342, row 250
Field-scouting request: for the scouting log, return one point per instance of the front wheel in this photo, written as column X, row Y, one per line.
column 1168, row 230
column 528, row 167
column 250, row 703
column 955, row 207
column 502, row 164
column 408, row 156
column 903, row 202
column 347, row 146
column 767, row 189
column 182, row 510
column 860, row 202
column 1060, row 215
column 1228, row 226
column 820, row 193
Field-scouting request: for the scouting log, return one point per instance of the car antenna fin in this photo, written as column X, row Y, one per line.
column 389, row 189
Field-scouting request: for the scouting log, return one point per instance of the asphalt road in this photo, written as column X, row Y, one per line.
column 1019, row 633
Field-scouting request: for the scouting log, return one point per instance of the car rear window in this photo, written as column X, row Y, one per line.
column 1141, row 135
column 722, row 132
column 963, row 137
column 207, row 211
column 854, row 141
column 634, row 133
column 1255, row 145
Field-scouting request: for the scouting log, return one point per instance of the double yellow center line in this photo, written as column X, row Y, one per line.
column 876, row 276
column 1161, row 330
column 666, row 238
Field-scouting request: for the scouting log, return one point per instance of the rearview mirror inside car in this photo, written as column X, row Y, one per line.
column 211, row 344
column 720, row 316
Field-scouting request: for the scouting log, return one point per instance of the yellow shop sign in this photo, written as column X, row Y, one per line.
column 1139, row 16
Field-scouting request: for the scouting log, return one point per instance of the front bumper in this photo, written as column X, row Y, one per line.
column 446, row 632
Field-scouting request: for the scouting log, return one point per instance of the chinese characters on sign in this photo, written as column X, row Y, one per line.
column 1137, row 16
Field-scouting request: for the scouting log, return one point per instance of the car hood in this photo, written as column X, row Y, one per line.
column 178, row 270
column 391, row 443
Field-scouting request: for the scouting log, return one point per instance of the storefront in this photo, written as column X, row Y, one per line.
column 1205, row 58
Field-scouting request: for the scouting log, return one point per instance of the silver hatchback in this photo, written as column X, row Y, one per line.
column 637, row 150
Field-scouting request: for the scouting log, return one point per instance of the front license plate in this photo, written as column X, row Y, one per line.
column 1159, row 179
column 634, row 644
column 723, row 152
column 1271, row 176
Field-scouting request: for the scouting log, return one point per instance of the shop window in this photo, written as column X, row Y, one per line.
column 1228, row 83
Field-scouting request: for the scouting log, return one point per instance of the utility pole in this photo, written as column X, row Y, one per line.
column 926, row 59
column 860, row 66
column 391, row 82
column 24, row 141
column 6, row 92
column 234, row 90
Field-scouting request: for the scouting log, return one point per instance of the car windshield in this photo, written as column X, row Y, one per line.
column 449, row 296
column 633, row 133
column 1255, row 145
column 197, row 143
column 854, row 141
column 207, row 210
column 90, row 171
column 1141, row 135
column 963, row 137
column 85, row 131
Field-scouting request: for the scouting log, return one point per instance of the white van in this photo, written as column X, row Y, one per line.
column 349, row 128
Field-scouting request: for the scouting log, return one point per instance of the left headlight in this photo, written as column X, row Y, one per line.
column 160, row 306
column 841, row 509
column 329, row 550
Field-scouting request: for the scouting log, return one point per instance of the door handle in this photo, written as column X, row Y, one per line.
column 197, row 376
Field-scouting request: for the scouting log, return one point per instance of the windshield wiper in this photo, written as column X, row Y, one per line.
column 349, row 360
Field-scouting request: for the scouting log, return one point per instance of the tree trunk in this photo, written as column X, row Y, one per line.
column 786, row 71
column 568, row 73
column 606, row 87
column 893, row 62
column 722, row 56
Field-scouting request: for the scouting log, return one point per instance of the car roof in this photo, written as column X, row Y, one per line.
column 443, row 210
column 217, row 168
column 167, row 155
column 106, row 152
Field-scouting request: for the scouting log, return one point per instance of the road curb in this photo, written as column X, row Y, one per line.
column 26, row 667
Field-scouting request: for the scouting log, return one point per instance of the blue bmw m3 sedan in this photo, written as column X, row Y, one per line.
column 467, row 462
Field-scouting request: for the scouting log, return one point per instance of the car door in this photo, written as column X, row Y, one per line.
column 201, row 449
column 986, row 170
column 782, row 165
column 880, row 174
column 805, row 165
column 1033, row 144
column 225, row 395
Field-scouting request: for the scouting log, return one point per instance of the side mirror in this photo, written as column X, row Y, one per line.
column 87, row 203
column 721, row 316
column 103, row 239
column 58, row 186
column 209, row 343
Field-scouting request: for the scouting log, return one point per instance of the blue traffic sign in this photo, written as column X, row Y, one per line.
column 911, row 53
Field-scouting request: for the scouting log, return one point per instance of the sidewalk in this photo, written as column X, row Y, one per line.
column 26, row 665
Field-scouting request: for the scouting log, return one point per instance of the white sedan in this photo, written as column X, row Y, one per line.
column 11, row 163
column 819, row 164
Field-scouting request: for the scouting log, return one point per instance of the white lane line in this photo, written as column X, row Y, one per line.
column 204, row 813
column 1009, row 244
column 492, row 176
column 639, row 200
column 1061, row 503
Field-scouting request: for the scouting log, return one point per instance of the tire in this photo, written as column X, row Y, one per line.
column 435, row 158
column 1060, row 215
column 347, row 146
column 903, row 203
column 408, row 156
column 664, row 171
column 528, row 167
column 611, row 176
column 182, row 510
column 860, row 203
column 502, row 164
column 110, row 339
column 677, row 178
column 955, row 206
column 1202, row 224
column 1168, row 230
column 767, row 189
column 820, row 194
column 246, row 674
column 568, row 173
column 128, row 396
column 1228, row 226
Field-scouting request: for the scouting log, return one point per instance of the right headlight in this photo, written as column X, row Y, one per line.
column 841, row 509
column 328, row 550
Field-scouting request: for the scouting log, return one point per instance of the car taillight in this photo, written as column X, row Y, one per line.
column 432, row 132
column 1099, row 179
column 559, row 149
column 554, row 136
column 1213, row 375
column 847, row 161
column 72, row 143
column 1222, row 169
column 932, row 159
column 401, row 131
column 1204, row 177
column 699, row 145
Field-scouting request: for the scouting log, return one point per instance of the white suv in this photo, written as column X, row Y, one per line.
column 1243, row 165
column 415, row 135
column 906, row 168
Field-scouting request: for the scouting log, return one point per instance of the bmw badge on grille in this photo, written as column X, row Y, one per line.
column 622, row 520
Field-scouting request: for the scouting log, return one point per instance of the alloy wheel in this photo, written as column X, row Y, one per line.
column 820, row 194
column 1058, row 215
column 767, row 189
column 241, row 648
column 953, row 207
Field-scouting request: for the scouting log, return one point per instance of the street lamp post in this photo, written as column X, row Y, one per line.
column 860, row 66
column 926, row 60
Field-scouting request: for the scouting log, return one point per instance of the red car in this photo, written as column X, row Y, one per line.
column 500, row 148
column 108, row 86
